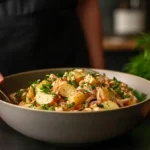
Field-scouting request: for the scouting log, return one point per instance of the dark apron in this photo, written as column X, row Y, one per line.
column 38, row 34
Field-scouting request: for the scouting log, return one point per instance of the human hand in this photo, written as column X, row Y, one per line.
column 1, row 78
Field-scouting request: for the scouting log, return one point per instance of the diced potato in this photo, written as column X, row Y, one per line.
column 43, row 98
column 66, row 89
column 110, row 105
column 30, row 94
column 42, row 83
column 22, row 103
column 78, row 98
column 90, row 79
column 104, row 94
column 112, row 96
column 78, row 74
column 125, row 102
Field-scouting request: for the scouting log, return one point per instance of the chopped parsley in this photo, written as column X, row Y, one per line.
column 82, row 86
column 32, row 105
column 47, row 107
column 69, row 82
column 46, row 88
column 47, row 75
column 126, row 96
column 59, row 74
column 70, row 74
column 120, row 92
column 66, row 99
column 117, row 84
column 54, row 94
column 116, row 81
column 93, row 74
column 93, row 87
column 74, row 83
column 71, row 105
column 18, row 94
column 140, row 96
column 117, row 88
column 100, row 105
column 51, row 108
column 131, row 89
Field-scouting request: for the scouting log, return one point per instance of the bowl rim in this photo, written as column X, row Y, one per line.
column 75, row 112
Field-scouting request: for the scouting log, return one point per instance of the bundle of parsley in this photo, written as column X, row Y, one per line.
column 140, row 64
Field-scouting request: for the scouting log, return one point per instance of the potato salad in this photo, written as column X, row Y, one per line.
column 77, row 90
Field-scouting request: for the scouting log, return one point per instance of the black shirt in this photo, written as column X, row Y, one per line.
column 38, row 34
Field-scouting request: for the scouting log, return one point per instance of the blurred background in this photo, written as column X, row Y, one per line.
column 123, row 20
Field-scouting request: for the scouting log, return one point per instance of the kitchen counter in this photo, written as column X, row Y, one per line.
column 116, row 43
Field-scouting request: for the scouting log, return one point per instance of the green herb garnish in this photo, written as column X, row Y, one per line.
column 18, row 94
column 74, row 83
column 70, row 74
column 115, row 86
column 81, row 86
column 69, row 82
column 51, row 108
column 47, row 75
column 71, row 105
column 100, row 105
column 66, row 99
column 126, row 96
column 46, row 88
column 59, row 74
column 93, row 74
column 32, row 105
column 45, row 106
column 120, row 92
column 54, row 94
column 93, row 87
column 139, row 95
column 34, row 82
column 116, row 81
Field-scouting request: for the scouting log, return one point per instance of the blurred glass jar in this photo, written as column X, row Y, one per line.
column 130, row 17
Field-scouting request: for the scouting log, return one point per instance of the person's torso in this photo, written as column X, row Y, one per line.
column 45, row 31
column 24, row 7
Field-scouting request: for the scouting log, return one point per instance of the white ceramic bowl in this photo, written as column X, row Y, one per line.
column 73, row 127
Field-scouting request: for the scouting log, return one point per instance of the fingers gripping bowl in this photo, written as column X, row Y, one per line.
column 89, row 112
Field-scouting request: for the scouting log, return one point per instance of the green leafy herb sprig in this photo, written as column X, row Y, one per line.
column 140, row 64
